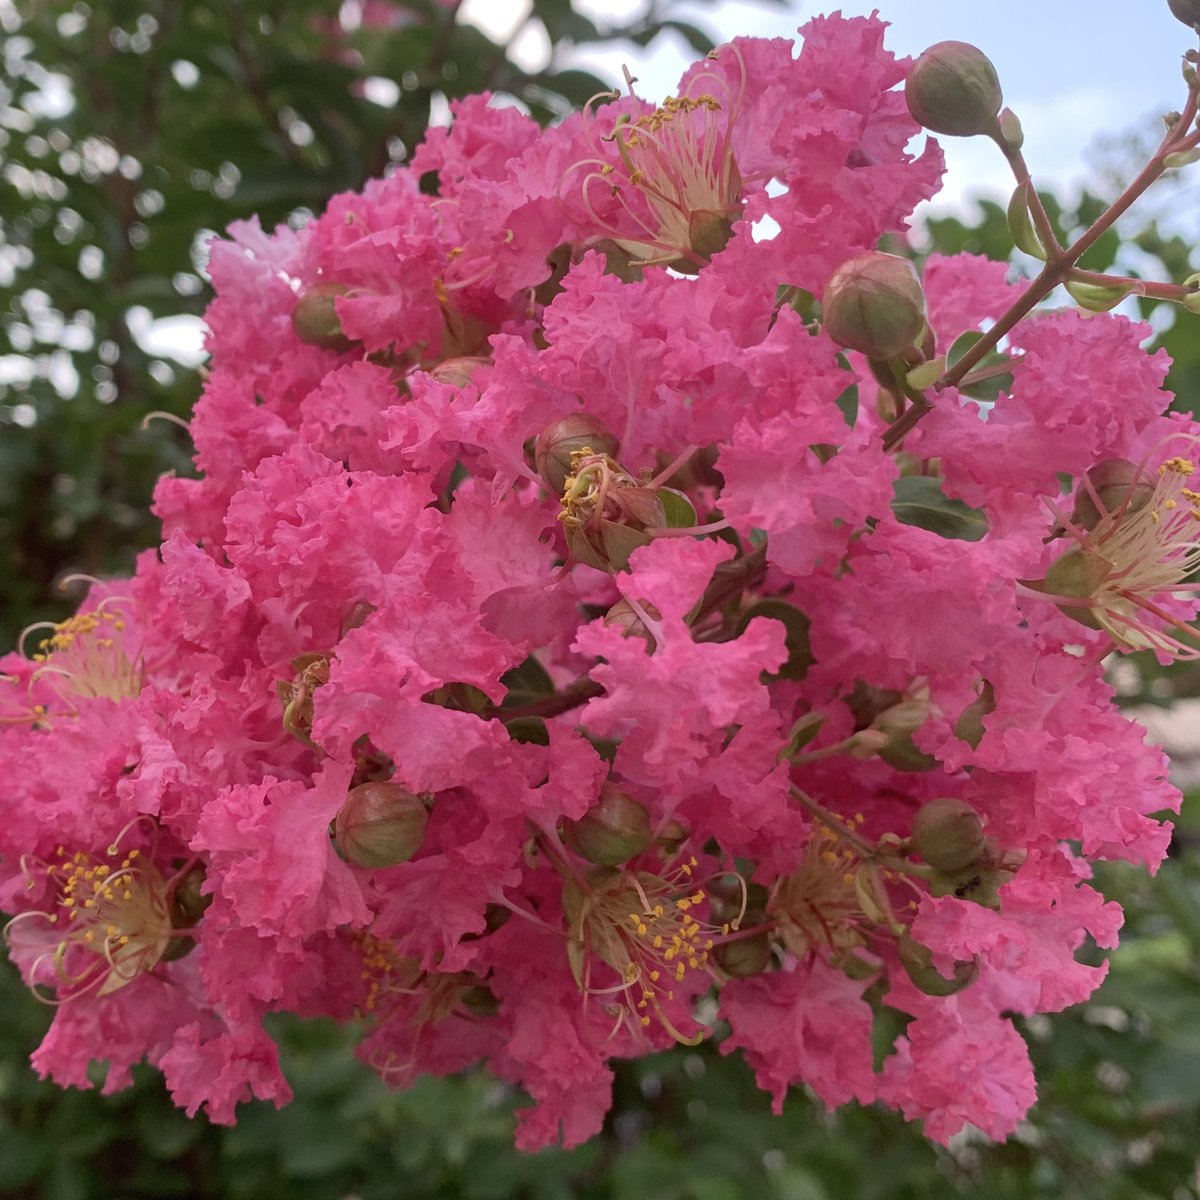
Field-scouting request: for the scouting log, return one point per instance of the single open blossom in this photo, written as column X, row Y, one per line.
column 1125, row 571
column 598, row 581
column 672, row 173
column 110, row 921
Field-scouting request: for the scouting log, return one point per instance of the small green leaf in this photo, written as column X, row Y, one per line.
column 526, row 682
column 678, row 512
column 796, row 624
column 1020, row 222
column 1097, row 297
column 848, row 403
column 960, row 346
column 926, row 374
column 920, row 501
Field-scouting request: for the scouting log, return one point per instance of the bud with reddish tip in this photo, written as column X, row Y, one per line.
column 953, row 88
column 380, row 825
column 1117, row 487
column 557, row 442
column 874, row 304
column 613, row 830
column 1188, row 11
column 315, row 317
column 948, row 834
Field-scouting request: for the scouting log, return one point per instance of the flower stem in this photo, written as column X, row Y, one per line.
column 1060, row 263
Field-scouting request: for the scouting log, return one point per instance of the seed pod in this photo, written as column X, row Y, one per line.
column 953, row 88
column 315, row 318
column 948, row 834
column 744, row 957
column 917, row 961
column 555, row 444
column 874, row 304
column 458, row 372
column 380, row 825
column 613, row 830
column 1119, row 485
column 1079, row 574
column 621, row 616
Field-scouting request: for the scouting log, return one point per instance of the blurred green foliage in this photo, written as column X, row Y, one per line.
column 129, row 128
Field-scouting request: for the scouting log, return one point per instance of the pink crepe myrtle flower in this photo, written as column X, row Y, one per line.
column 715, row 636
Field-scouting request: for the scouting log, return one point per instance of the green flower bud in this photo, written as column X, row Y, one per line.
column 1188, row 11
column 1077, row 573
column 315, row 317
column 555, row 444
column 460, row 371
column 186, row 906
column 380, row 825
column 1119, row 485
column 948, row 834
column 980, row 883
column 613, row 830
column 621, row 616
column 953, row 88
column 874, row 304
column 917, row 961
column 744, row 957
column 709, row 231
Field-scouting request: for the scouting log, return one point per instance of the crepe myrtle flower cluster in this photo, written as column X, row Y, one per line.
column 599, row 624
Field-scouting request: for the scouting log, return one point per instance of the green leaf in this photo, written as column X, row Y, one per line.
column 526, row 682
column 848, row 403
column 1096, row 297
column 920, row 501
column 796, row 624
column 1020, row 222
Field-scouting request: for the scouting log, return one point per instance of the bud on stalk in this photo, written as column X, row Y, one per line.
column 613, row 830
column 1118, row 485
column 1188, row 11
column 380, row 825
column 315, row 317
column 948, row 834
column 874, row 304
column 555, row 444
column 953, row 88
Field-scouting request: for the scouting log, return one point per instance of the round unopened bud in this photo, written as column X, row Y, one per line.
column 1188, row 11
column 948, row 834
column 980, row 883
column 557, row 442
column 953, row 88
column 1121, row 487
column 315, row 317
column 380, row 825
column 1077, row 573
column 917, row 961
column 458, row 372
column 613, row 830
column 709, row 231
column 874, row 304
column 622, row 616
column 744, row 957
